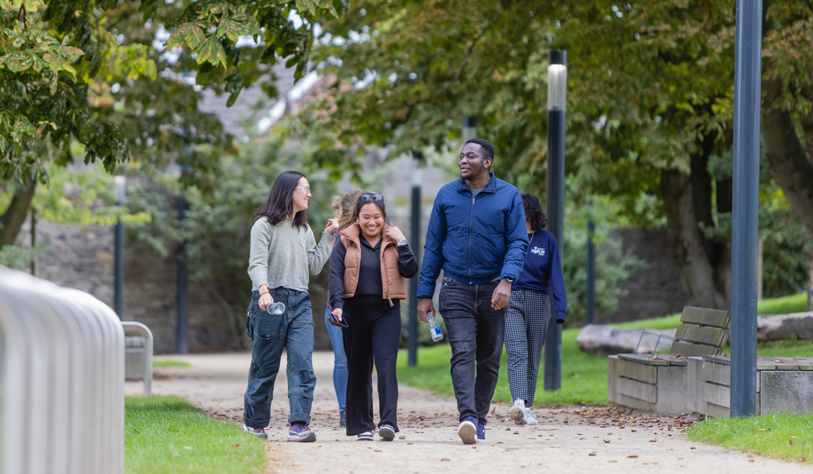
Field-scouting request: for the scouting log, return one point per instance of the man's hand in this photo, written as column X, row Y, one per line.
column 332, row 226
column 338, row 313
column 425, row 305
column 502, row 294
column 395, row 234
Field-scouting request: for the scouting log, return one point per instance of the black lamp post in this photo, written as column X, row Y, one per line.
column 557, row 95
column 118, row 265
column 182, row 292
column 417, row 177
column 745, row 215
column 591, row 274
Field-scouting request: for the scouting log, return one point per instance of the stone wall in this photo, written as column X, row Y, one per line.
column 653, row 291
column 82, row 257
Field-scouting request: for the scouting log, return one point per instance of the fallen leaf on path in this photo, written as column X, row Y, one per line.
column 653, row 440
column 634, row 431
column 634, row 456
column 607, row 441
column 592, row 454
column 377, row 451
column 751, row 460
column 445, row 459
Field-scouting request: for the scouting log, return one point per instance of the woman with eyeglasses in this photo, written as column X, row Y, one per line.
column 368, row 271
column 283, row 252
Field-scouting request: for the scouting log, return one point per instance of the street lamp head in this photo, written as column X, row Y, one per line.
column 557, row 80
column 121, row 187
column 469, row 127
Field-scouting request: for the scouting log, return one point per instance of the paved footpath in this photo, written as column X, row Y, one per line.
column 568, row 439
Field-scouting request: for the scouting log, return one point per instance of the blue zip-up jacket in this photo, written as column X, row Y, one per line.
column 474, row 240
column 543, row 271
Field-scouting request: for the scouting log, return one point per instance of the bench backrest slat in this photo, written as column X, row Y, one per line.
column 701, row 334
column 706, row 317
column 688, row 349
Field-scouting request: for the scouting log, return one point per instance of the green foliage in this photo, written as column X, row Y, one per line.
column 19, row 258
column 60, row 58
column 215, row 235
column 167, row 435
column 776, row 435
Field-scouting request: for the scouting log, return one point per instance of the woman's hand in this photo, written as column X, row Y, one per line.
column 338, row 313
column 332, row 226
column 265, row 300
column 395, row 234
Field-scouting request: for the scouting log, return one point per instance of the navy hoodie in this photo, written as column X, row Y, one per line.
column 543, row 271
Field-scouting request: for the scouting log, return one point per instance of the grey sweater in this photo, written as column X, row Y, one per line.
column 282, row 255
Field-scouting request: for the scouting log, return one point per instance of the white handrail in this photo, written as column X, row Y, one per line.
column 61, row 380
column 148, row 345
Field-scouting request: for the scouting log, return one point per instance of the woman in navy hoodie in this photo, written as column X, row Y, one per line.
column 529, row 311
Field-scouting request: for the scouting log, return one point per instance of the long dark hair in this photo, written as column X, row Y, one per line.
column 533, row 212
column 361, row 202
column 280, row 203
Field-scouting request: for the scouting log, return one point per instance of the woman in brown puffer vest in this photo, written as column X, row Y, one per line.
column 368, row 271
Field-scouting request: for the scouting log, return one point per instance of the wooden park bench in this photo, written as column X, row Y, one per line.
column 660, row 382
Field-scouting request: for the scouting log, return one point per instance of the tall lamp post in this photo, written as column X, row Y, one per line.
column 557, row 95
column 591, row 274
column 469, row 127
column 417, row 177
column 745, row 216
column 182, row 295
column 118, row 265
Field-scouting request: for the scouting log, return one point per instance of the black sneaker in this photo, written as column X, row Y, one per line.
column 366, row 436
column 386, row 432
column 300, row 432
column 342, row 419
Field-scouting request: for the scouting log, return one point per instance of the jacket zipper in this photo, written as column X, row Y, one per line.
column 471, row 220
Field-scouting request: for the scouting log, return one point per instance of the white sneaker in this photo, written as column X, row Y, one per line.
column 530, row 418
column 468, row 430
column 517, row 412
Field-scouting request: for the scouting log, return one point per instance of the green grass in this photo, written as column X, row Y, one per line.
column 170, row 363
column 169, row 435
column 584, row 377
column 778, row 435
column 787, row 304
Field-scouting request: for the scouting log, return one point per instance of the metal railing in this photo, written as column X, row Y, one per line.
column 61, row 380
column 145, row 372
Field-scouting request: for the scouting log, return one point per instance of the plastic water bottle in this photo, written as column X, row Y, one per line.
column 276, row 308
column 434, row 328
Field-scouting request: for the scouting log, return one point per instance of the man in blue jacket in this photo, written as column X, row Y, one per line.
column 477, row 236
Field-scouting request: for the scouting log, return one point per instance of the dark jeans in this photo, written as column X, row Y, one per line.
column 373, row 335
column 292, row 331
column 476, row 333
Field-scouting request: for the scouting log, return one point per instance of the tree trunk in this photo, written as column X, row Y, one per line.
column 13, row 219
column 704, row 266
column 792, row 169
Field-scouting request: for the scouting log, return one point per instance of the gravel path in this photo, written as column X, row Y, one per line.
column 568, row 439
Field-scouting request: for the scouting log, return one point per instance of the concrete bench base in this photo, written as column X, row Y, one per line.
column 672, row 385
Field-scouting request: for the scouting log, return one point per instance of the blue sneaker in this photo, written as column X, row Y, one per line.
column 481, row 432
column 300, row 432
column 468, row 430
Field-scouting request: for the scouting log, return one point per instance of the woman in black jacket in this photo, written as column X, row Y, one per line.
column 368, row 270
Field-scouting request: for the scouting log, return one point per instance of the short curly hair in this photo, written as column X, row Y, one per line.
column 533, row 212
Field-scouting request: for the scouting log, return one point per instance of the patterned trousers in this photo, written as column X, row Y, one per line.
column 525, row 329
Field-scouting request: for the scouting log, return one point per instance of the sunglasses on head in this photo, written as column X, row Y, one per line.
column 370, row 197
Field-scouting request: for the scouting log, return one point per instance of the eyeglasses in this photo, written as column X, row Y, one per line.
column 307, row 189
column 370, row 197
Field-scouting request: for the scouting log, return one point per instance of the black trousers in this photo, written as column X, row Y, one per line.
column 373, row 336
column 476, row 332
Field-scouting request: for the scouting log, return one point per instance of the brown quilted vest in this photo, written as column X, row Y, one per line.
column 393, row 283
